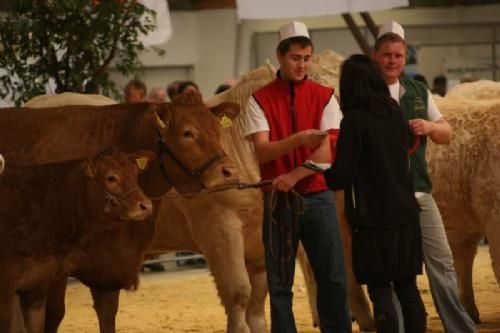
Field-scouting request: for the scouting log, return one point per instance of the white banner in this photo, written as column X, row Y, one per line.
column 163, row 30
column 272, row 9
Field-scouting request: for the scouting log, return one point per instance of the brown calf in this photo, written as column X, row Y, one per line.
column 46, row 215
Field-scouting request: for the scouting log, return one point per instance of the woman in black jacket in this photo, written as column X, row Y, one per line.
column 372, row 167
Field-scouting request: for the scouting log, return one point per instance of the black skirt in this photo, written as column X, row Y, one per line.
column 384, row 255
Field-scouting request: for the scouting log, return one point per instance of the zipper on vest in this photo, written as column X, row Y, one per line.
column 292, row 113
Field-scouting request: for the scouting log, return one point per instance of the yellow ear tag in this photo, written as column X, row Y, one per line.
column 225, row 122
column 141, row 162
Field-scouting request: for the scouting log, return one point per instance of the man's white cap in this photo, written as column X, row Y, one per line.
column 293, row 29
column 391, row 26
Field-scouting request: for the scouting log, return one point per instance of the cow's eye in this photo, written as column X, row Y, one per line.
column 111, row 179
column 188, row 134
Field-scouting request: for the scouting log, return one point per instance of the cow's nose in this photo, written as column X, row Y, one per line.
column 227, row 172
column 146, row 205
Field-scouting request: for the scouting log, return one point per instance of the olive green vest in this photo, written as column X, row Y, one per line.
column 414, row 105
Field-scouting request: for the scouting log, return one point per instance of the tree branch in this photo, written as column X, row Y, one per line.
column 51, row 53
column 114, row 46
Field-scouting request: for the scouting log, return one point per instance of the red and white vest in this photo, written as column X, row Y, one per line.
column 291, row 107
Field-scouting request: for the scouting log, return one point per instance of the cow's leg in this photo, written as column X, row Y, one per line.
column 255, row 315
column 33, row 309
column 493, row 236
column 464, row 248
column 106, row 307
column 227, row 264
column 55, row 307
column 7, row 313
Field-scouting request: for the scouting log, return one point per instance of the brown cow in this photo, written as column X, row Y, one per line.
column 47, row 213
column 192, row 158
column 225, row 227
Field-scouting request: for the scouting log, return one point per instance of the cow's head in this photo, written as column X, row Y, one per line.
column 189, row 145
column 113, row 187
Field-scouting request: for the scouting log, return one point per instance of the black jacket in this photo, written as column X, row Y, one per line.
column 372, row 166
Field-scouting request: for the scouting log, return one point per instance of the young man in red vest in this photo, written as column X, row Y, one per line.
column 425, row 121
column 288, row 121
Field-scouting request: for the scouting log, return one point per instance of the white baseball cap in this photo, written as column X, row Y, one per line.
column 293, row 29
column 391, row 26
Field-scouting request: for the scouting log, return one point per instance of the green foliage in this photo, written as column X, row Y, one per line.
column 71, row 42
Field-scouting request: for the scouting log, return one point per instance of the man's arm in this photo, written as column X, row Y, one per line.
column 267, row 151
column 439, row 131
column 436, row 127
column 287, row 181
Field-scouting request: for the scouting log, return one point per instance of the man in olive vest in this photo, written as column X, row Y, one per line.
column 425, row 121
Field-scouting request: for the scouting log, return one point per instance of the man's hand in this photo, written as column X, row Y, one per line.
column 421, row 126
column 312, row 138
column 285, row 182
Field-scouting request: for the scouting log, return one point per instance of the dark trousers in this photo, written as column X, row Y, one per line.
column 320, row 235
column 386, row 319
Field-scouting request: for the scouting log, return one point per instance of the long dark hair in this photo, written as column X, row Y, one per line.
column 363, row 87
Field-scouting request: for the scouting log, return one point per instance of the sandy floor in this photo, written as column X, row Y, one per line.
column 186, row 301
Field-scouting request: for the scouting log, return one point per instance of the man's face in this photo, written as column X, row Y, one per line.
column 135, row 96
column 295, row 63
column 391, row 58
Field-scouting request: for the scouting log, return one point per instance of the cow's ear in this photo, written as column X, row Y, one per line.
column 230, row 110
column 89, row 168
column 143, row 159
column 2, row 164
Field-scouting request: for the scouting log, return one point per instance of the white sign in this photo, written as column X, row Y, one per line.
column 163, row 30
column 271, row 9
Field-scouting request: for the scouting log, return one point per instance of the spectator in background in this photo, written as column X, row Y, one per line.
column 226, row 85
column 469, row 77
column 157, row 95
column 440, row 85
column 186, row 87
column 135, row 91
column 172, row 89
column 421, row 78
column 222, row 87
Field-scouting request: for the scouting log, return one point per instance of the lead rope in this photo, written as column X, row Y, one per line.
column 240, row 186
column 284, row 252
column 113, row 199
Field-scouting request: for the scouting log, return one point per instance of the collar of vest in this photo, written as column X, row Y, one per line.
column 287, row 83
column 402, row 89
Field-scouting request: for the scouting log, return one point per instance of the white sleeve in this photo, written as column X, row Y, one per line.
column 255, row 119
column 331, row 115
column 433, row 113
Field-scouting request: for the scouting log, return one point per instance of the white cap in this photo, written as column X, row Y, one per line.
column 391, row 26
column 293, row 29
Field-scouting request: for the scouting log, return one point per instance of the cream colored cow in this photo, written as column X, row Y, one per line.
column 466, row 179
